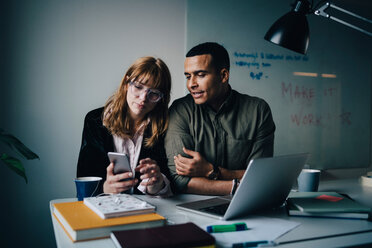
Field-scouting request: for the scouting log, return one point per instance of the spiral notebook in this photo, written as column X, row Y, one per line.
column 116, row 205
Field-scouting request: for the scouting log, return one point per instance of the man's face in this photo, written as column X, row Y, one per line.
column 202, row 79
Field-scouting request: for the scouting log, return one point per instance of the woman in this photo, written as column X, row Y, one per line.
column 133, row 121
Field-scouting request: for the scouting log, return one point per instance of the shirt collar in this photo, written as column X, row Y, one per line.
column 229, row 101
column 142, row 127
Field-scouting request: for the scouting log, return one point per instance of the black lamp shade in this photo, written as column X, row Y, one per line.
column 290, row 31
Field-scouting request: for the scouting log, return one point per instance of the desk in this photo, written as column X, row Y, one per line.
column 313, row 232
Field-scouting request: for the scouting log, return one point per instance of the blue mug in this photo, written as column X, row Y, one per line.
column 308, row 180
column 86, row 186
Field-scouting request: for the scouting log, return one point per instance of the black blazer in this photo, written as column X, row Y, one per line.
column 97, row 141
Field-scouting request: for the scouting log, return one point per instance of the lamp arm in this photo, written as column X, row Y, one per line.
column 322, row 9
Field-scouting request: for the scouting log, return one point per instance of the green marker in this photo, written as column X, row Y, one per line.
column 241, row 226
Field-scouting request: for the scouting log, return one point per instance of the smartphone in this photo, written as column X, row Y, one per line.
column 121, row 162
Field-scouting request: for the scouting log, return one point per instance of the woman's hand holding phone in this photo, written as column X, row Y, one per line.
column 115, row 184
column 119, row 176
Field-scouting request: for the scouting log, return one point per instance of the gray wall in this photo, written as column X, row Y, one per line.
column 328, row 118
column 60, row 59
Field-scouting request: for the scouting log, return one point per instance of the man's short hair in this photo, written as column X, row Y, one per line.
column 220, row 57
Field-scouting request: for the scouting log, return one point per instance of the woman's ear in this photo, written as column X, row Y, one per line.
column 224, row 75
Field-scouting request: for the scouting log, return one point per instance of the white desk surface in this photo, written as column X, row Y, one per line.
column 313, row 232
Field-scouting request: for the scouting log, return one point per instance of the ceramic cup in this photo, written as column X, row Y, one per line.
column 308, row 180
column 86, row 186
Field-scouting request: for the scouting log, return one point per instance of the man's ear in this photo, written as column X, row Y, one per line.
column 224, row 75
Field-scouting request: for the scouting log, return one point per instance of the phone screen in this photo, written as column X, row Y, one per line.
column 121, row 162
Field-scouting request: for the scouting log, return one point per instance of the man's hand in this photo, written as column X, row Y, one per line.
column 196, row 166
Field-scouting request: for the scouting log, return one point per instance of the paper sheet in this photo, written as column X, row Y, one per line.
column 259, row 228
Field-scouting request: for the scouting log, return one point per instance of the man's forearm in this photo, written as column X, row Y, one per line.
column 204, row 186
column 222, row 186
column 226, row 174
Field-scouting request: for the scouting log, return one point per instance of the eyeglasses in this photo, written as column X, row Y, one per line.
column 152, row 95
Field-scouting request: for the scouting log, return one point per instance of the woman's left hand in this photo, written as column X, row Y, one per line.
column 150, row 170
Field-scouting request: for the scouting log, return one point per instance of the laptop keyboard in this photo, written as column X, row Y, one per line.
column 219, row 209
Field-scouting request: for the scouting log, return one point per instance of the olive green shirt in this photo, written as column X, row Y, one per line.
column 242, row 129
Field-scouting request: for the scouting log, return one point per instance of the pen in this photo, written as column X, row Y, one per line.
column 261, row 243
column 241, row 226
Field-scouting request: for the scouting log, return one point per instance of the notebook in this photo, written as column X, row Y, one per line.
column 169, row 236
column 116, row 205
column 325, row 204
column 265, row 185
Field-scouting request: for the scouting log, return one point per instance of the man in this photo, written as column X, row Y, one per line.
column 214, row 131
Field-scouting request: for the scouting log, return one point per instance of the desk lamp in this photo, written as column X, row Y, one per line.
column 292, row 30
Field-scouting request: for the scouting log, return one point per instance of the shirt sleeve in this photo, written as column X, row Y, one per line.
column 93, row 158
column 264, row 140
column 177, row 137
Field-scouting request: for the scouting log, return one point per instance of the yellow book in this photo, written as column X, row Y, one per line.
column 81, row 223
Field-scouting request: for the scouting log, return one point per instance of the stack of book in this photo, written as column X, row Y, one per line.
column 325, row 204
column 80, row 222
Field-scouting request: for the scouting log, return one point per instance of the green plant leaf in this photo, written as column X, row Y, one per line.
column 14, row 164
column 17, row 145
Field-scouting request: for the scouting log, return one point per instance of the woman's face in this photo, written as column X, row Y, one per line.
column 137, row 99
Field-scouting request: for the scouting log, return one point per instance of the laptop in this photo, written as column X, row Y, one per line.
column 265, row 185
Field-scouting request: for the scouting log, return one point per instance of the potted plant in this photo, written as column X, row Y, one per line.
column 15, row 144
